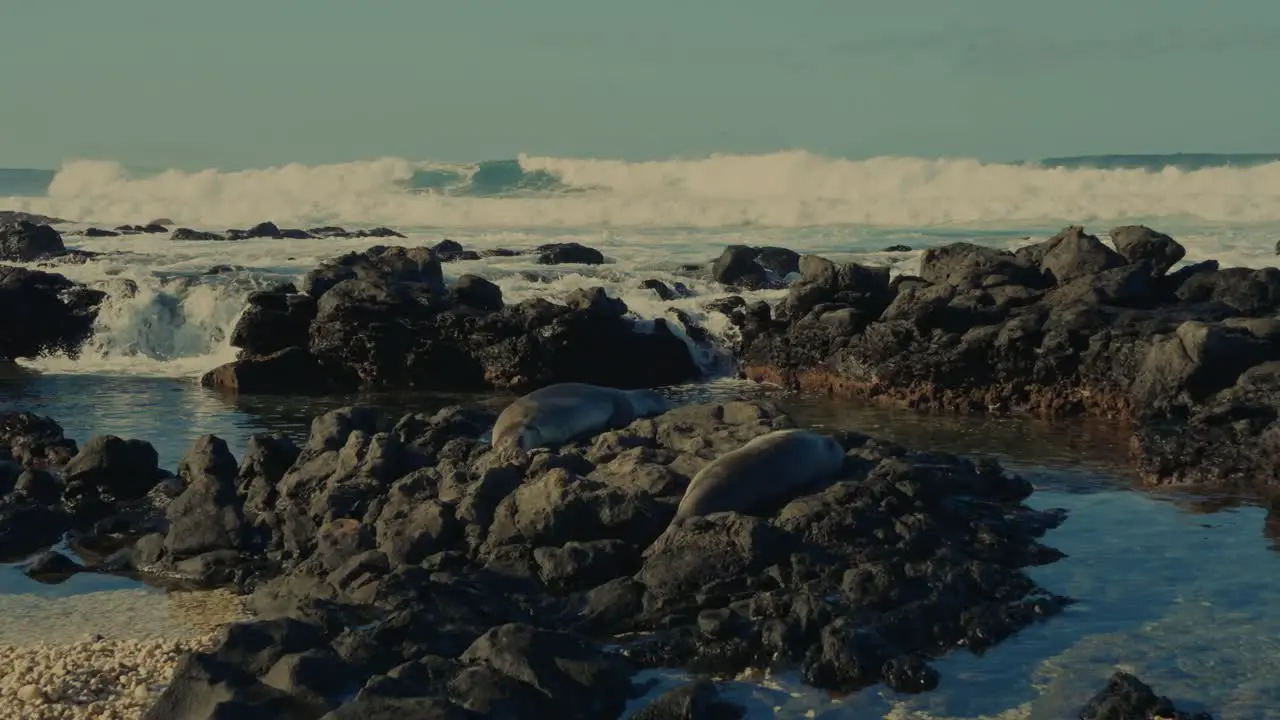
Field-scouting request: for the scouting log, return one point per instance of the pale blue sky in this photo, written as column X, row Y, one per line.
column 235, row 83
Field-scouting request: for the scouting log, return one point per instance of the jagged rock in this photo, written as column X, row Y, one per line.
column 1139, row 242
column 122, row 469
column 474, row 291
column 1062, row 327
column 1125, row 697
column 23, row 242
column 568, row 253
column 274, row 321
column 388, row 264
column 183, row 233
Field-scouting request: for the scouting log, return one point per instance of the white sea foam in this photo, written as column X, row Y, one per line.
column 179, row 322
column 786, row 189
column 647, row 218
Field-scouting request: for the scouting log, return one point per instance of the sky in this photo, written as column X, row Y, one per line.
column 250, row 83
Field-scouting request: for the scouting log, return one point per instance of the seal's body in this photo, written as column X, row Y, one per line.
column 769, row 470
column 556, row 414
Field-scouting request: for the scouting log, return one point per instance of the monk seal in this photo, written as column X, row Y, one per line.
column 558, row 413
column 768, row 470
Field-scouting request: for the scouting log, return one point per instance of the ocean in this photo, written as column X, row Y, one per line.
column 1160, row 577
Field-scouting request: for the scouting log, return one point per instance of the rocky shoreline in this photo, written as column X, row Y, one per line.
column 1070, row 326
column 403, row 566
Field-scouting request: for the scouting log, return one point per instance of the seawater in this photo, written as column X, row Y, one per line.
column 1177, row 588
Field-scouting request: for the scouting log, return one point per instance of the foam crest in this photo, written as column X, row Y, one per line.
column 157, row 324
column 788, row 189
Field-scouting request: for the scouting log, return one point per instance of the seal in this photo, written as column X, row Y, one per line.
column 767, row 471
column 558, row 413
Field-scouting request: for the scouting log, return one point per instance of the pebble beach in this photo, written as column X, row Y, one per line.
column 105, row 655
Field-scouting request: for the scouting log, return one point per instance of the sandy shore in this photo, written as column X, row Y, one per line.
column 103, row 655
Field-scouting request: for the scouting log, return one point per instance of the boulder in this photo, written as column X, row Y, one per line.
column 1139, row 242
column 292, row 370
column 183, row 233
column 121, row 469
column 24, row 242
column 568, row 253
column 476, row 292
column 694, row 701
column 34, row 441
column 1125, row 697
column 968, row 266
column 273, row 321
column 1073, row 254
column 208, row 515
column 452, row 251
column 388, row 264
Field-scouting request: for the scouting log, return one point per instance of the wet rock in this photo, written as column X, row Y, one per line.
column 388, row 264
column 184, row 233
column 379, row 232
column 1062, row 327
column 209, row 515
column 474, row 291
column 261, row 230
column 596, row 301
column 754, row 267
column 273, row 321
column 51, row 566
column 576, row 679
column 694, row 701
column 661, row 289
column 39, row 486
column 433, row 572
column 292, row 370
column 898, row 248
column 968, row 266
column 44, row 313
column 99, row 232
column 1139, row 242
column 34, row 441
column 13, row 217
column 568, row 253
column 108, row 465
column 23, row 242
column 584, row 565
column 1073, row 254
column 327, row 231
column 452, row 251
column 382, row 319
column 1243, row 291
column 1125, row 697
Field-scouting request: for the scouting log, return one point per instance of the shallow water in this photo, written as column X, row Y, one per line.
column 1177, row 588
